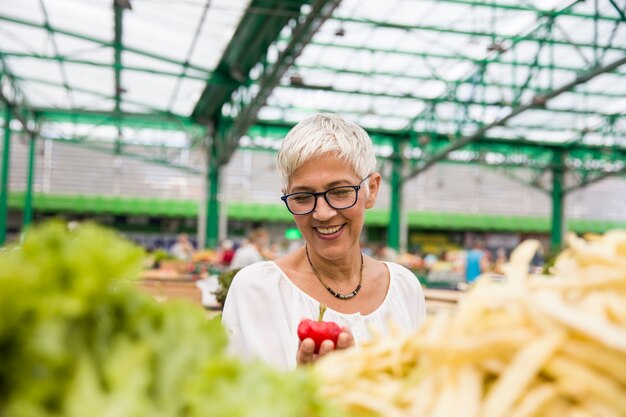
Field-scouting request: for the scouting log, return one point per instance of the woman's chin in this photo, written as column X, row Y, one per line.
column 332, row 250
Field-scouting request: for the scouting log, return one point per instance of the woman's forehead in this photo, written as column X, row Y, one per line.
column 320, row 184
column 326, row 162
column 326, row 170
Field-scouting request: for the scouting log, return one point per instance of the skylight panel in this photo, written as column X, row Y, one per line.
column 187, row 97
column 88, row 18
column 43, row 95
column 153, row 91
column 20, row 38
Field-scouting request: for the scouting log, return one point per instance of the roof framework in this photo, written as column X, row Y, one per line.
column 502, row 83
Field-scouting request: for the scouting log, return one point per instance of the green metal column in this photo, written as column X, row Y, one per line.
column 558, row 196
column 395, row 213
column 4, row 184
column 118, row 25
column 28, row 196
column 213, row 206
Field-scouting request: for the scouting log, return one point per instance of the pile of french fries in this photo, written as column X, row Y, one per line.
column 531, row 345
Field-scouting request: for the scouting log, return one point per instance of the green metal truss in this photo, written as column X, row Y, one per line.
column 248, row 49
column 248, row 46
column 98, row 41
column 455, row 83
column 437, row 100
column 477, row 34
column 529, row 8
column 455, row 57
column 535, row 103
column 514, row 152
column 270, row 78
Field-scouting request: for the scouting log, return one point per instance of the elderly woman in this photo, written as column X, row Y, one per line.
column 328, row 171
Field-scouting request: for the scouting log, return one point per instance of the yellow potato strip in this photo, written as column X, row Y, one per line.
column 531, row 346
column 518, row 376
column 593, row 327
column 535, row 401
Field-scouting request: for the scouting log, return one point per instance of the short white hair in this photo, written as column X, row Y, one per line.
column 321, row 134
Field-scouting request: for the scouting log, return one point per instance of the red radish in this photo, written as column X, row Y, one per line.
column 319, row 330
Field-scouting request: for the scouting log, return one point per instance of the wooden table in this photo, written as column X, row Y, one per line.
column 166, row 285
column 437, row 299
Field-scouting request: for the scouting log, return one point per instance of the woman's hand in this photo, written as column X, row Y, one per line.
column 306, row 350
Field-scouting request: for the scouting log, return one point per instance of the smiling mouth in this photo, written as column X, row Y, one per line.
column 328, row 230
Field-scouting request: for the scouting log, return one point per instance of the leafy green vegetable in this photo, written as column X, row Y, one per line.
column 224, row 280
column 77, row 339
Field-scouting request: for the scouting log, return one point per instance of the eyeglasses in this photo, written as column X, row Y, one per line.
column 339, row 198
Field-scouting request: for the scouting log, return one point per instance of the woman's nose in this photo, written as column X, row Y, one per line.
column 323, row 210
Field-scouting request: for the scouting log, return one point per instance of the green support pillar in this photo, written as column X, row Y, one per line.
column 558, row 196
column 28, row 196
column 395, row 214
column 213, row 206
column 4, row 184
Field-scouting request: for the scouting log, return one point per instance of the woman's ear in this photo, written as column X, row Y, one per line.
column 374, row 186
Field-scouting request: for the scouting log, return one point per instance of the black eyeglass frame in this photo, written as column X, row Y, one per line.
column 324, row 194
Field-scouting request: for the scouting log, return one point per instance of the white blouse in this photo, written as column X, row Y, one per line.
column 263, row 309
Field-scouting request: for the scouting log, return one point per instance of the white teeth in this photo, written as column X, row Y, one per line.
column 329, row 230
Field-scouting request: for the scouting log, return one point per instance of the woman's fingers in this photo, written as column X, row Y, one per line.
column 345, row 340
column 326, row 346
column 306, row 352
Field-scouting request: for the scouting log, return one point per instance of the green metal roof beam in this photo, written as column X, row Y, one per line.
column 138, row 120
column 534, row 153
column 438, row 100
column 456, row 83
column 515, row 112
column 192, row 47
column 177, row 122
column 523, row 8
column 93, row 93
column 55, row 48
column 76, row 35
column 9, row 85
column 619, row 11
column 456, row 57
column 118, row 26
column 536, row 159
column 512, row 163
column 123, row 67
column 249, row 44
column 281, row 128
column 530, row 127
column 472, row 33
column 301, row 36
column 545, row 25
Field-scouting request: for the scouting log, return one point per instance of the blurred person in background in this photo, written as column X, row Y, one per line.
column 386, row 254
column 254, row 250
column 183, row 249
column 500, row 261
column 328, row 174
column 227, row 252
column 430, row 260
column 476, row 261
